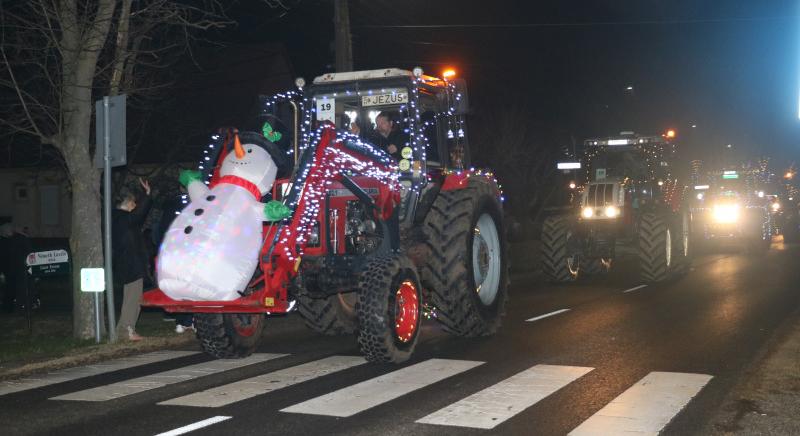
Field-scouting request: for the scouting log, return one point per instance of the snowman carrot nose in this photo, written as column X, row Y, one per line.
column 237, row 147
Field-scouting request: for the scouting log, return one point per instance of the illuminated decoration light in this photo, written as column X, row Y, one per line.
column 617, row 142
column 700, row 195
column 775, row 207
column 701, row 187
column 670, row 133
column 572, row 185
column 569, row 165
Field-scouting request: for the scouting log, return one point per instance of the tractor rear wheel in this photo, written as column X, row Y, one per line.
column 332, row 316
column 559, row 263
column 656, row 243
column 466, row 274
column 389, row 309
column 229, row 335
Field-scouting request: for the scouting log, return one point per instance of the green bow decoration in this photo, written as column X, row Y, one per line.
column 270, row 134
column 276, row 211
column 188, row 176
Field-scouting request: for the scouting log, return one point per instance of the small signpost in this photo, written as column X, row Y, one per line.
column 49, row 263
column 94, row 280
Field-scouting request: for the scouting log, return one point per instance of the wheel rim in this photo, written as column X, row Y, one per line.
column 668, row 248
column 486, row 260
column 573, row 262
column 246, row 324
column 685, row 235
column 406, row 313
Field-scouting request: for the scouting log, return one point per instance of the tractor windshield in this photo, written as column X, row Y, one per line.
column 618, row 164
column 357, row 111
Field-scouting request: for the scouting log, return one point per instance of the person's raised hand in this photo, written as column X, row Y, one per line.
column 392, row 149
column 145, row 185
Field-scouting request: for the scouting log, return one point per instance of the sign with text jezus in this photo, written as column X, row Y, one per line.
column 48, row 263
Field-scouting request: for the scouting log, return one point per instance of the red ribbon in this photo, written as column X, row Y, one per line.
column 238, row 181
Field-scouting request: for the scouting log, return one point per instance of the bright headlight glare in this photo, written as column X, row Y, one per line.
column 612, row 211
column 726, row 213
column 776, row 207
column 587, row 212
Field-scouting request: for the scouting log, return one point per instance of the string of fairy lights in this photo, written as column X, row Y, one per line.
column 314, row 175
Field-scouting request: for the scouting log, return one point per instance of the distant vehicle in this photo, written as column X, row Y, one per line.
column 734, row 208
column 630, row 198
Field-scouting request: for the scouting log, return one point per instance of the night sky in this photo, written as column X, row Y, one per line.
column 729, row 67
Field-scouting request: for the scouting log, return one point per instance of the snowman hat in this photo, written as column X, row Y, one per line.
column 278, row 156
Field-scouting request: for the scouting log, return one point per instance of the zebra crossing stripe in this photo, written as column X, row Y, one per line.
column 368, row 394
column 153, row 381
column 492, row 406
column 69, row 374
column 244, row 389
column 196, row 426
column 646, row 407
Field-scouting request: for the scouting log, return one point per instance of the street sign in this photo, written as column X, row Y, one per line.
column 93, row 279
column 48, row 263
column 116, row 128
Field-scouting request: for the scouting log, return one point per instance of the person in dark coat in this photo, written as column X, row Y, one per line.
column 14, row 248
column 128, row 255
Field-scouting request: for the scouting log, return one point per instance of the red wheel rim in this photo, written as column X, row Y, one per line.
column 406, row 311
column 246, row 325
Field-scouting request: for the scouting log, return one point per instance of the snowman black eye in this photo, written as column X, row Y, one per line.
column 249, row 150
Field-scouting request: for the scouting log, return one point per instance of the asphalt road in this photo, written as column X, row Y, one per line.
column 665, row 353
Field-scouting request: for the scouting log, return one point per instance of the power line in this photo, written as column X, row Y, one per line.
column 578, row 24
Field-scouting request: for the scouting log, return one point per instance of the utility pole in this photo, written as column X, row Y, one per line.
column 344, row 43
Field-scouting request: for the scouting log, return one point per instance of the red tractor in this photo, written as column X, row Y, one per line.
column 373, row 242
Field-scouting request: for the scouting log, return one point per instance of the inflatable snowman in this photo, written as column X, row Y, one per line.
column 211, row 249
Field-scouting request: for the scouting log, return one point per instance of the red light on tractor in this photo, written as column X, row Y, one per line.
column 671, row 133
column 448, row 74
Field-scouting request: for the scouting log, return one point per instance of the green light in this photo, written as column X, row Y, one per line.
column 730, row 176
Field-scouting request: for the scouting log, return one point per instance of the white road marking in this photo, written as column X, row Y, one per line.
column 537, row 318
column 69, row 374
column 368, row 394
column 492, row 406
column 195, row 426
column 635, row 288
column 153, row 381
column 244, row 389
column 646, row 407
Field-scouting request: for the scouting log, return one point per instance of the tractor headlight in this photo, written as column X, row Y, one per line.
column 775, row 207
column 612, row 211
column 587, row 212
column 726, row 213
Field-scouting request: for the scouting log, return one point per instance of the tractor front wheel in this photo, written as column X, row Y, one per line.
column 229, row 335
column 389, row 309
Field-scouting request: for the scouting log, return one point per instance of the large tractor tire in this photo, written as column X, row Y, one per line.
column 229, row 335
column 656, row 248
column 559, row 263
column 467, row 272
column 332, row 316
column 389, row 309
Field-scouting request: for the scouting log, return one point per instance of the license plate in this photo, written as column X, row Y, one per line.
column 385, row 97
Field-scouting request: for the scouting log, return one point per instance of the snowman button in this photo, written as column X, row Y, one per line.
column 198, row 212
column 187, row 230
column 211, row 197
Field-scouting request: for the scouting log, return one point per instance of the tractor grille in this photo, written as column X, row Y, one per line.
column 600, row 195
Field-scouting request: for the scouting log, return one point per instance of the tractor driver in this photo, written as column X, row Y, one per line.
column 387, row 135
